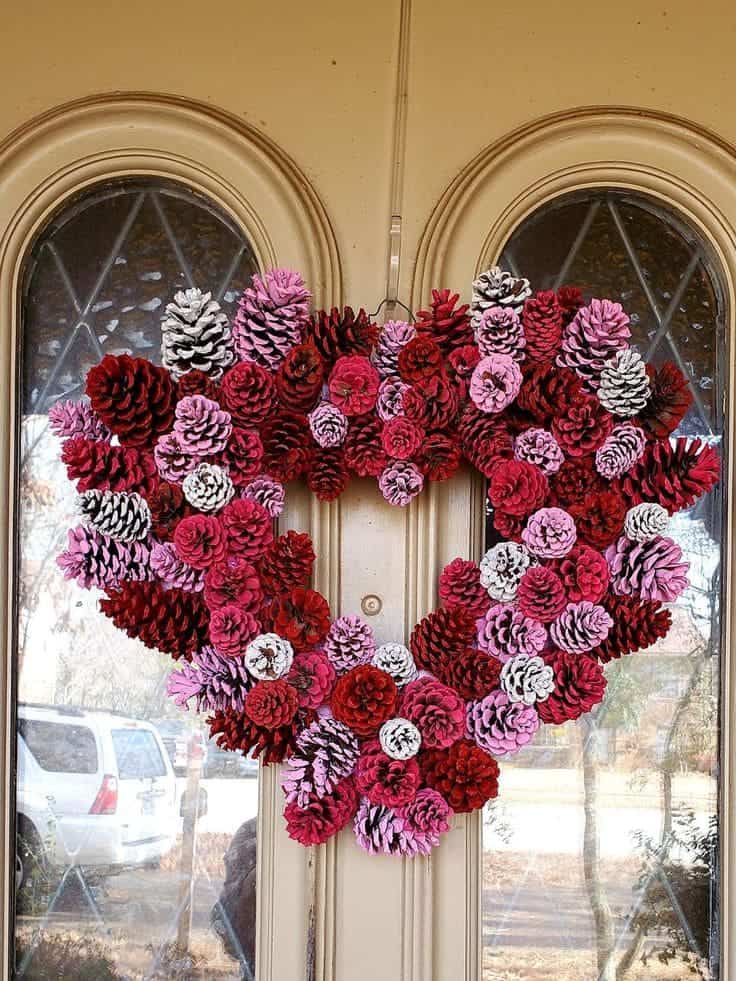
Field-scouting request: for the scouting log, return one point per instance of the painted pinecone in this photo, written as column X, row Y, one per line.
column 195, row 335
column 620, row 451
column 214, row 681
column 394, row 336
column 326, row 753
column 501, row 569
column 350, row 642
column 92, row 559
column 121, row 516
column 581, row 627
column 341, row 332
column 645, row 522
column 269, row 657
column 208, row 488
column 270, row 318
column 498, row 288
column 527, row 679
column 595, row 335
column 396, row 660
column 624, row 387
column 498, row 330
column 445, row 322
column 399, row 739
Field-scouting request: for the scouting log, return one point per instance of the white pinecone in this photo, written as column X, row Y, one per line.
column 195, row 334
column 645, row 522
column 268, row 657
column 396, row 660
column 498, row 288
column 527, row 679
column 208, row 487
column 501, row 569
column 122, row 516
column 400, row 739
column 624, row 387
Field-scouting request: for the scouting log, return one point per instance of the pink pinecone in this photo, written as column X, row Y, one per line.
column 394, row 335
column 201, row 426
column 499, row 331
column 271, row 314
column 593, row 337
column 400, row 482
column 652, row 570
column 350, row 642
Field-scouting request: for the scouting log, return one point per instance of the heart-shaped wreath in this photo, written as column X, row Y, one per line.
column 181, row 467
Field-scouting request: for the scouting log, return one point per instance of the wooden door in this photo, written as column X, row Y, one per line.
column 384, row 149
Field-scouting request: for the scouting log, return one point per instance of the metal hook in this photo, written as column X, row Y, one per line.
column 394, row 302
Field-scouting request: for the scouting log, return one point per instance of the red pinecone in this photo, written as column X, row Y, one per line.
column 234, row 582
column 287, row 446
column 570, row 299
column 243, row 455
column 432, row 403
column 508, row 526
column 541, row 595
column 484, row 439
column 235, row 731
column 463, row 774
column 579, row 685
column 547, row 390
column 574, row 482
column 446, row 323
column 473, row 674
column 517, row 487
column 299, row 378
column 383, row 780
column 419, row 359
column 134, row 398
column 248, row 528
column 196, row 382
column 248, row 393
column 301, row 616
column 438, row 457
column 335, row 334
column 440, row 637
column 599, row 519
column 199, row 540
column 364, row 699
column 460, row 586
column 168, row 507
column 542, row 321
column 328, row 475
column 673, row 476
column 668, row 403
column 287, row 562
column 584, row 574
column 637, row 624
column 364, row 452
column 582, row 427
column 271, row 704
column 169, row 620
column 101, row 466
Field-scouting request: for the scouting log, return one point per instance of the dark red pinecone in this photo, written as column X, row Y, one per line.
column 196, row 382
column 299, row 378
column 445, row 322
column 484, row 439
column 168, row 620
column 673, row 476
column 335, row 334
column 440, row 637
column 168, row 507
column 432, row 403
column 287, row 563
column 542, row 320
column 668, row 403
column 248, row 393
column 328, row 474
column 574, row 482
column 547, row 390
column 599, row 518
column 364, row 452
column 287, row 446
column 570, row 299
column 438, row 457
column 100, row 466
column 134, row 398
column 473, row 674
column 235, row 731
column 637, row 624
column 243, row 455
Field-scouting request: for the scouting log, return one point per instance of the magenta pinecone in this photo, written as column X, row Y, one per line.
column 549, row 533
column 173, row 573
column 93, row 560
column 500, row 726
column 620, row 451
column 390, row 401
column 539, row 447
column 326, row 752
column 271, row 314
column 400, row 482
column 505, row 632
column 580, row 627
column 652, row 570
column 215, row 682
column 328, row 425
column 593, row 337
column 267, row 492
column 394, row 335
column 381, row 830
column 203, row 428
column 350, row 642
column 172, row 461
column 499, row 331
column 69, row 419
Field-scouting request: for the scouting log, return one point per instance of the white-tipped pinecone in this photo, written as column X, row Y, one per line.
column 527, row 679
column 501, row 569
column 400, row 739
column 195, row 334
column 268, row 657
column 396, row 660
column 498, row 288
column 645, row 522
column 122, row 516
column 208, row 487
column 624, row 388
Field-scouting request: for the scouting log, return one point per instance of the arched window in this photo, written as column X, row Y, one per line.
column 604, row 851
column 115, row 869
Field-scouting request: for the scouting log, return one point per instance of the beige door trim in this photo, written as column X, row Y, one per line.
column 247, row 175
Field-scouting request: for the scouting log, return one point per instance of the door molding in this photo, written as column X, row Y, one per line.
column 42, row 164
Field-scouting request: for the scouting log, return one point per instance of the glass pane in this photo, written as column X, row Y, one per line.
column 124, row 809
column 601, row 856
